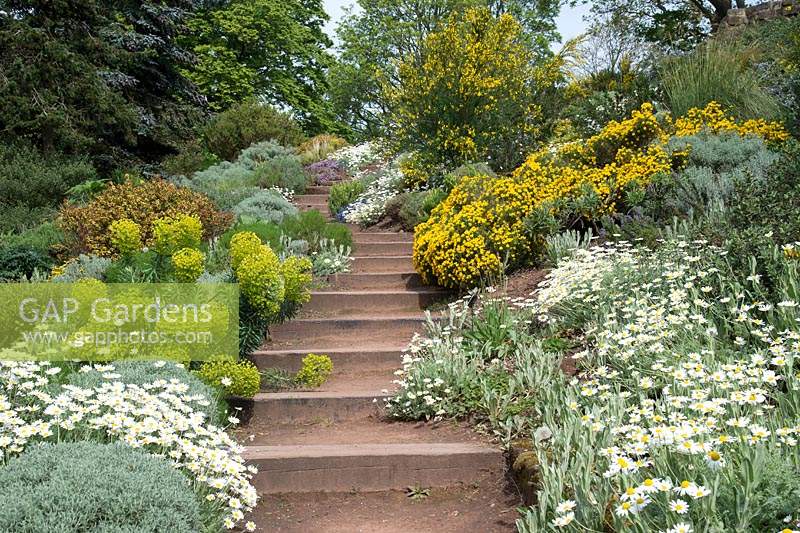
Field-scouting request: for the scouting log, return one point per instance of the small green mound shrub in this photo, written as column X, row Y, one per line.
column 266, row 205
column 247, row 123
column 344, row 194
column 284, row 171
column 414, row 207
column 315, row 371
column 21, row 261
column 261, row 152
column 225, row 183
column 43, row 237
column 143, row 203
column 312, row 227
column 33, row 184
column 75, row 487
column 235, row 378
column 191, row 158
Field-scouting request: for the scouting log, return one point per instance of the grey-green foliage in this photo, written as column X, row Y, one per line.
column 261, row 165
column 717, row 162
column 563, row 245
column 225, row 183
column 144, row 373
column 265, row 205
column 261, row 152
column 283, row 171
column 90, row 487
column 86, row 266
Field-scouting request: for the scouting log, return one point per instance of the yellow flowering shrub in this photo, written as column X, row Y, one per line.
column 480, row 226
column 174, row 233
column 243, row 244
column 713, row 117
column 296, row 273
column 188, row 264
column 474, row 95
column 126, row 236
column 261, row 280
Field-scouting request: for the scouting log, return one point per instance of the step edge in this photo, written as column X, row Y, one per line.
column 431, row 449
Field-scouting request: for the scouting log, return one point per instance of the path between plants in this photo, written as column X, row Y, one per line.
column 328, row 460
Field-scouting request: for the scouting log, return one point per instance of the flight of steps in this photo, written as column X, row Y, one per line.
column 334, row 439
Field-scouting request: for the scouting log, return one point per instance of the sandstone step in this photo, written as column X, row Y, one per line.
column 487, row 507
column 370, row 467
column 319, row 189
column 381, row 249
column 367, row 430
column 399, row 263
column 376, row 280
column 311, row 199
column 282, row 407
column 344, row 359
column 365, row 236
column 365, row 332
column 376, row 303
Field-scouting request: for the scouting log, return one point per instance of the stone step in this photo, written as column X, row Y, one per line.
column 376, row 280
column 366, row 332
column 283, row 407
column 319, row 189
column 382, row 249
column 311, row 199
column 399, row 263
column 365, row 236
column 344, row 359
column 375, row 303
column 370, row 467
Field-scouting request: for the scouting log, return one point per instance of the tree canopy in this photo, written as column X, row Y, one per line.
column 275, row 49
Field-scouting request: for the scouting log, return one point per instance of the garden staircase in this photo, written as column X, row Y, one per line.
column 334, row 439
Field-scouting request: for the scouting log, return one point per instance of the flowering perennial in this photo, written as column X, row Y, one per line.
column 160, row 418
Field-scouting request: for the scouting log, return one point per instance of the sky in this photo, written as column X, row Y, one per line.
column 570, row 21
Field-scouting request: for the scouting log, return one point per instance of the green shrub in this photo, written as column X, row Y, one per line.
column 192, row 158
column 312, row 227
column 225, row 183
column 258, row 153
column 32, row 184
column 716, row 164
column 415, row 207
column 247, row 123
column 85, row 486
column 315, row 370
column 88, row 226
column 143, row 373
column 235, row 378
column 344, row 194
column 284, row 171
column 269, row 233
column 718, row 71
column 82, row 267
column 21, row 261
column 42, row 237
column 265, row 205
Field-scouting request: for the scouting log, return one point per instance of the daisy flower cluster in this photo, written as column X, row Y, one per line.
column 161, row 417
column 689, row 387
column 370, row 206
column 356, row 157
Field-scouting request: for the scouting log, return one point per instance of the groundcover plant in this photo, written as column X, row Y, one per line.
column 684, row 415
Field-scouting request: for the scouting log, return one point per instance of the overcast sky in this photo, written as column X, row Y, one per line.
column 570, row 22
